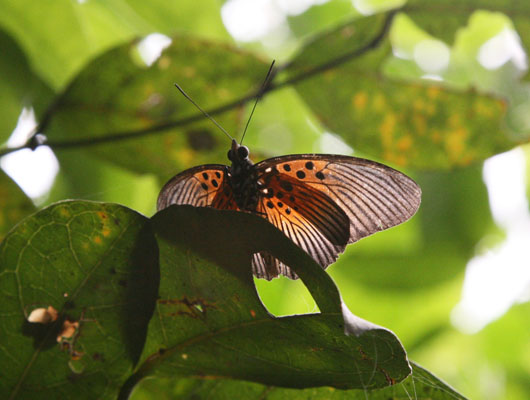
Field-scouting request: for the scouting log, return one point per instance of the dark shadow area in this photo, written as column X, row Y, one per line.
column 141, row 288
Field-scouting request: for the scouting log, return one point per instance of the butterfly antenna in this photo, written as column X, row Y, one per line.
column 204, row 112
column 260, row 93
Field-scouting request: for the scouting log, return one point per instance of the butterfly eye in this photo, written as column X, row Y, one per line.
column 242, row 152
column 229, row 155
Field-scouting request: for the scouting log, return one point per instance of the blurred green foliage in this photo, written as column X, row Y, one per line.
column 419, row 99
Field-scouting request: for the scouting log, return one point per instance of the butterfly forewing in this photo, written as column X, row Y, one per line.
column 202, row 186
column 373, row 196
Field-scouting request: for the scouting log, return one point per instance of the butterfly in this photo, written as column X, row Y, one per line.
column 321, row 202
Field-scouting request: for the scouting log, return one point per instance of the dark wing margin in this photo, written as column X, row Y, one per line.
column 202, row 186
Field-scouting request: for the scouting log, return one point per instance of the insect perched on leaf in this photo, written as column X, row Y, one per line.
column 321, row 202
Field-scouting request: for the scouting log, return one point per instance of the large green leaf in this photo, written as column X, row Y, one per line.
column 19, row 86
column 472, row 29
column 209, row 320
column 118, row 94
column 62, row 35
column 407, row 123
column 84, row 176
column 96, row 265
column 420, row 385
column 14, row 204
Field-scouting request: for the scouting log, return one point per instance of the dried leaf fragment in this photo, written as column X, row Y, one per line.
column 69, row 330
column 43, row 315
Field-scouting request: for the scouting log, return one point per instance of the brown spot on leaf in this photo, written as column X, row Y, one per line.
column 404, row 143
column 201, row 140
column 391, row 381
column 68, row 331
column 194, row 308
column 359, row 101
column 363, row 354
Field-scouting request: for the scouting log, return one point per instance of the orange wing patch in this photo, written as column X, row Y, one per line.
column 297, row 201
column 203, row 186
column 373, row 196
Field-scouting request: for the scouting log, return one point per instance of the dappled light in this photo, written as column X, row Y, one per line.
column 504, row 47
column 151, row 47
column 432, row 55
column 499, row 277
column 33, row 170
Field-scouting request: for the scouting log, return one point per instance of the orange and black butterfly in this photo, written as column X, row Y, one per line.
column 321, row 202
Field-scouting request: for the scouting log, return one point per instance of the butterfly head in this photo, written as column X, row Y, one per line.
column 238, row 154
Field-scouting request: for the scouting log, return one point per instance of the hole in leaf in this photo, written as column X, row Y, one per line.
column 283, row 296
column 152, row 46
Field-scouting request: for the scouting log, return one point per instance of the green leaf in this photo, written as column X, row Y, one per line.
column 407, row 123
column 466, row 68
column 118, row 94
column 201, row 19
column 420, row 385
column 19, row 86
column 14, row 204
column 209, row 320
column 96, row 265
column 84, row 176
column 61, row 36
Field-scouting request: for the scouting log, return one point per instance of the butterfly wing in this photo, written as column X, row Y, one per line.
column 323, row 202
column 202, row 186
column 307, row 216
column 207, row 186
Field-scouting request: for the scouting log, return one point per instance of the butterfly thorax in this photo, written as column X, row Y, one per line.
column 243, row 178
